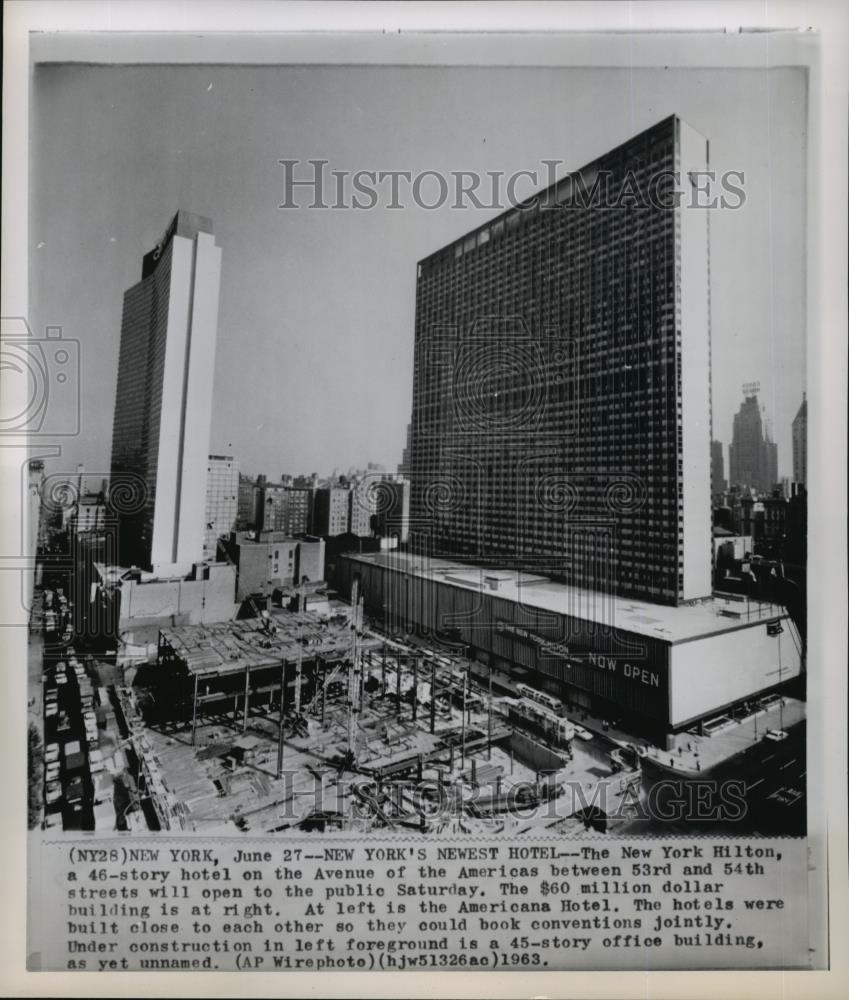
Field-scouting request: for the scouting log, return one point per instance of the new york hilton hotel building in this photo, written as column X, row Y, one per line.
column 560, row 448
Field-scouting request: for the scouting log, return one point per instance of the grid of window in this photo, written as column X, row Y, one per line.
column 547, row 417
column 222, row 500
column 284, row 508
column 138, row 402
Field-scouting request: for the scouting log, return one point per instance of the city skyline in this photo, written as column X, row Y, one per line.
column 283, row 365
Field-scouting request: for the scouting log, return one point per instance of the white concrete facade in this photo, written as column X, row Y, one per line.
column 170, row 328
column 694, row 365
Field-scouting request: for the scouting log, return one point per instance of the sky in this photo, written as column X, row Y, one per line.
column 314, row 360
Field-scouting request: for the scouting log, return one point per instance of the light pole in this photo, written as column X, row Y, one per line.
column 463, row 739
column 489, row 717
column 299, row 668
column 282, row 710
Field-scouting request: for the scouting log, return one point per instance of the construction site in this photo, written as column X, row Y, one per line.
column 307, row 721
column 291, row 721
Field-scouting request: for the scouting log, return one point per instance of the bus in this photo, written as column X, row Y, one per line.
column 540, row 697
column 554, row 727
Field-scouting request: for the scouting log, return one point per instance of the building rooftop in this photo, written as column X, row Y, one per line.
column 186, row 224
column 110, row 574
column 712, row 615
column 549, row 194
column 271, row 536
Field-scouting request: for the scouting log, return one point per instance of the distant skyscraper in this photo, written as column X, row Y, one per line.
column 163, row 406
column 561, row 392
column 753, row 457
column 718, row 484
column 222, row 500
column 800, row 443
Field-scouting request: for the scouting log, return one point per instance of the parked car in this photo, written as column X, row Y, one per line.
column 75, row 761
column 74, row 794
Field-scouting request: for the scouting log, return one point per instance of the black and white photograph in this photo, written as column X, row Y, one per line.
column 411, row 439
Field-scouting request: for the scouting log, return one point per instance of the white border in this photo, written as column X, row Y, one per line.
column 827, row 356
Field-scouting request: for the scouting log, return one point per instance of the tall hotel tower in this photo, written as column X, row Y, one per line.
column 561, row 417
column 163, row 409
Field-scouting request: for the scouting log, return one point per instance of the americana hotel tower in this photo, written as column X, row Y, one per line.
column 163, row 408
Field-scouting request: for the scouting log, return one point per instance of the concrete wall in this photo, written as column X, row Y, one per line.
column 265, row 564
column 252, row 563
column 693, row 298
column 197, row 404
column 536, row 755
column 186, row 412
column 708, row 674
column 311, row 560
column 172, row 339
column 282, row 562
column 190, row 601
